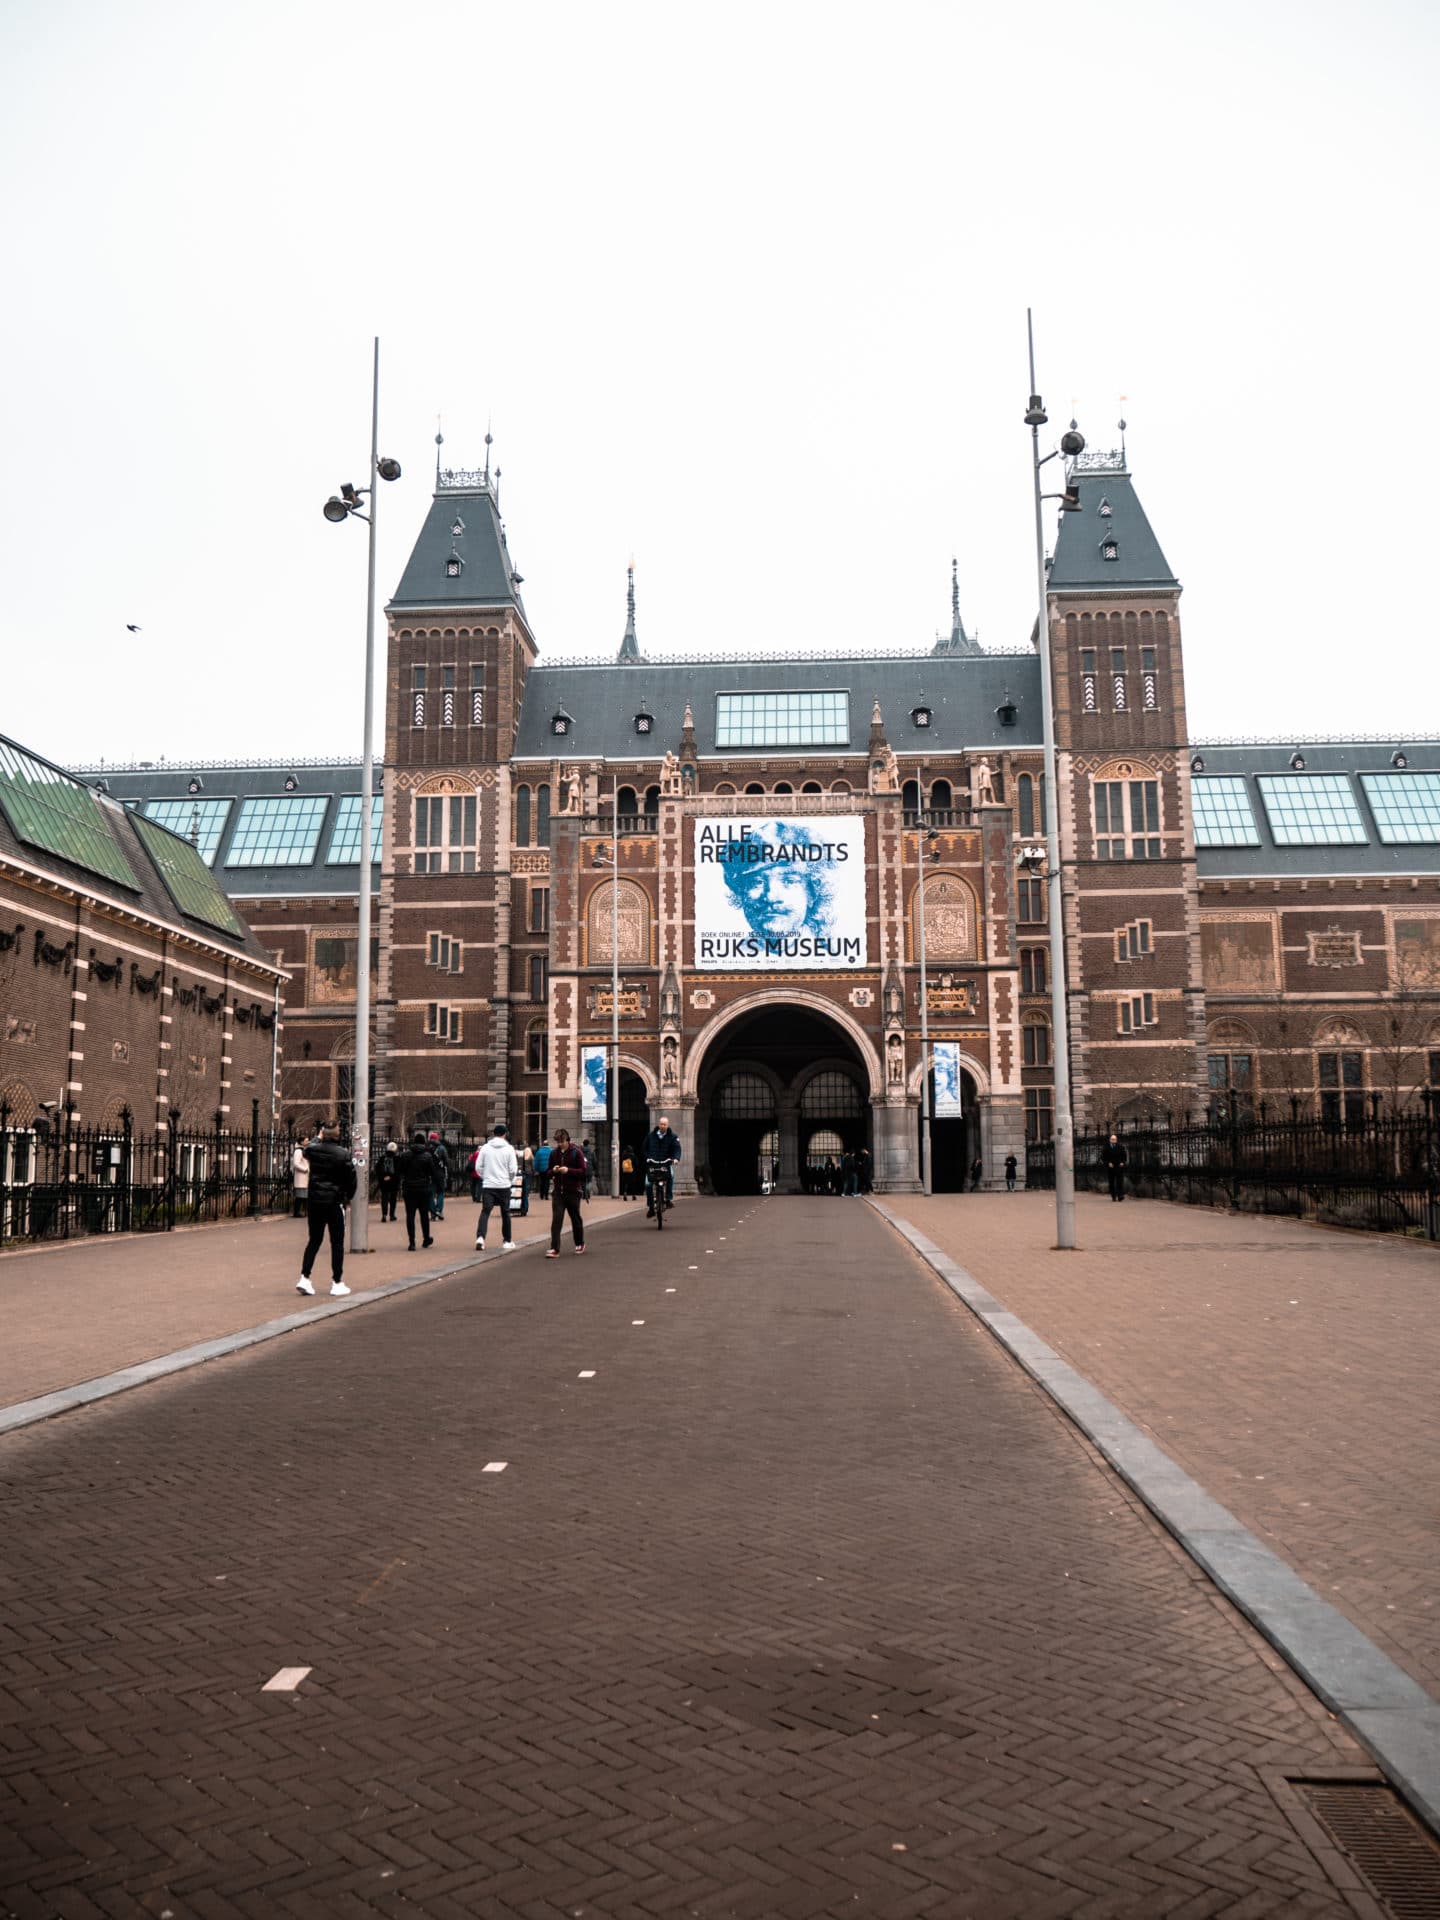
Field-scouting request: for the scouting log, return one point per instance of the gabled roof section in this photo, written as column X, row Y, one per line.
column 1108, row 544
column 460, row 558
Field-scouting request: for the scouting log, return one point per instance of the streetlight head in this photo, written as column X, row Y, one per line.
column 388, row 469
column 335, row 509
column 1035, row 414
column 1072, row 441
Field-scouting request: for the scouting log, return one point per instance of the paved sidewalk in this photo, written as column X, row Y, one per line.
column 729, row 1571
column 1295, row 1373
column 75, row 1311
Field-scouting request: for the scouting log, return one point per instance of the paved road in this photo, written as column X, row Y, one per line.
column 1291, row 1370
column 805, row 1603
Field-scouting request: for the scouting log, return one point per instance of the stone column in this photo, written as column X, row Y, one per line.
column 787, row 1121
column 896, row 1149
column 681, row 1114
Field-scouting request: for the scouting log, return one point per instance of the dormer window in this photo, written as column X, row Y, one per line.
column 1006, row 712
column 1109, row 549
column 457, row 526
column 1104, row 509
column 560, row 722
column 921, row 716
column 453, row 565
column 644, row 722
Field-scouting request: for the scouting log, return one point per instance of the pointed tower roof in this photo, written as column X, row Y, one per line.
column 629, row 645
column 460, row 558
column 1108, row 543
column 959, row 641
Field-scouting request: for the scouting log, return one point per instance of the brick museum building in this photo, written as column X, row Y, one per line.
column 768, row 838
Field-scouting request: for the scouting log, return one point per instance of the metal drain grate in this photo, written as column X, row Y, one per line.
column 1382, row 1839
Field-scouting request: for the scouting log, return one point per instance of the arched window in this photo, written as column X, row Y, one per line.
column 542, row 815
column 522, row 816
column 830, row 1096
column 811, row 786
column 625, row 801
column 910, row 797
column 824, row 1144
column 652, row 801
column 840, row 786
column 783, row 786
column 1026, row 790
column 1036, row 1034
column 726, row 786
column 745, row 1096
column 940, row 794
column 754, row 787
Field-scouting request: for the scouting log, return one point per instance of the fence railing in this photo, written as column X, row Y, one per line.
column 1379, row 1171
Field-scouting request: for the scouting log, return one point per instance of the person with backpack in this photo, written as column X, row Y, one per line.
column 542, row 1170
column 387, row 1171
column 567, row 1174
column 441, row 1157
column 418, row 1173
column 628, row 1190
column 333, row 1180
column 472, row 1167
column 498, row 1171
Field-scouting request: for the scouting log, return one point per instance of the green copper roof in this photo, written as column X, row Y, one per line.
column 1108, row 544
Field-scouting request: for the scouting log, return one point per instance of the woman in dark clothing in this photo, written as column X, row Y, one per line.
column 419, row 1170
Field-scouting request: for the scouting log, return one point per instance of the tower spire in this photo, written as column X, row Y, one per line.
column 629, row 646
column 959, row 641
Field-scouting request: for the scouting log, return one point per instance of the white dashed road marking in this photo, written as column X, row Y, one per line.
column 637, row 1323
column 495, row 1466
column 589, row 1374
column 286, row 1680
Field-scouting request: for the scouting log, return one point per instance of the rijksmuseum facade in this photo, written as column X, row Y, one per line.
column 1245, row 922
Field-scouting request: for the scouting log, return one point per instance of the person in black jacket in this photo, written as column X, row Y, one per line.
column 332, row 1186
column 1115, row 1158
column 387, row 1168
column 419, row 1171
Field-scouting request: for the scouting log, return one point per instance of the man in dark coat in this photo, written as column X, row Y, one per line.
column 567, row 1176
column 418, row 1174
column 1115, row 1158
column 332, row 1186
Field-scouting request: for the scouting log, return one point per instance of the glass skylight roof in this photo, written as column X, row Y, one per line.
column 1406, row 807
column 344, row 849
column 278, row 830
column 188, row 881
column 820, row 719
column 178, row 814
column 1223, row 815
column 47, row 808
column 1312, row 810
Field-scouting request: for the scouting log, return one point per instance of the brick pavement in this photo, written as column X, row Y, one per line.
column 83, row 1308
column 1292, row 1371
column 805, row 1603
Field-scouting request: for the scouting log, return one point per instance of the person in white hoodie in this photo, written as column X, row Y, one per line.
column 496, row 1167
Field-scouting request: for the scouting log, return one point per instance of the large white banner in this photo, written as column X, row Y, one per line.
column 946, row 1055
column 594, row 1083
column 780, row 896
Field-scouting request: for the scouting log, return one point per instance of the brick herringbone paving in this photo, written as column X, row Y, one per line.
column 807, row 1603
column 1291, row 1370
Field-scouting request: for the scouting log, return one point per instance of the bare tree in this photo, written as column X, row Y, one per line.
column 1407, row 1019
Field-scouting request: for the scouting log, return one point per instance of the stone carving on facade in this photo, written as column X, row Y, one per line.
column 670, row 781
column 670, row 1061
column 895, row 1061
column 984, row 784
column 885, row 771
column 862, row 997
column 1335, row 947
column 570, row 790
column 670, row 1000
column 702, row 999
column 894, row 998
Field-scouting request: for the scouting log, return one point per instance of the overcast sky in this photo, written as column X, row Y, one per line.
column 742, row 291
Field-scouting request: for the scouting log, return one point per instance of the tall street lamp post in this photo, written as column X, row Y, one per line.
column 345, row 506
column 612, row 1078
column 926, row 848
column 1071, row 443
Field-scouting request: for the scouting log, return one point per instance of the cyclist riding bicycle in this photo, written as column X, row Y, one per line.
column 661, row 1144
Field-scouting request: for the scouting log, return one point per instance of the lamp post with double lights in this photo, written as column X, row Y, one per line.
column 1072, row 442
column 927, row 849
column 346, row 505
column 612, row 1078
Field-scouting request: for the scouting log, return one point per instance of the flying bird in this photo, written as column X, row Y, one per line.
column 130, row 627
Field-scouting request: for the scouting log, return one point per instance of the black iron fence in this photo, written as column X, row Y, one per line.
column 1379, row 1170
column 59, row 1181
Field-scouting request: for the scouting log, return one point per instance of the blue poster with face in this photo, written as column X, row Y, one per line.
column 780, row 895
column 594, row 1084
column 946, row 1056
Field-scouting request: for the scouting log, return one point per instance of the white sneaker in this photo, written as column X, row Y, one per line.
column 507, row 1246
column 338, row 1290
column 479, row 1246
column 302, row 1285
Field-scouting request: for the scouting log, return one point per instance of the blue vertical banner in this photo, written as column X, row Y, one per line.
column 946, row 1056
column 594, row 1084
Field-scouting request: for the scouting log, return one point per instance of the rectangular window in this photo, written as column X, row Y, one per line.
column 444, row 952
column 1036, row 1043
column 1031, row 901
column 477, row 695
column 1232, row 1085
column 278, row 831
column 1136, row 1013
column 539, row 976
column 1223, row 815
column 1039, row 1113
column 1311, row 810
column 1034, row 971
column 819, row 719
column 1132, row 941
column 445, row 832
column 539, row 921
column 205, row 818
column 1342, row 1089
column 1406, row 807
column 344, row 848
column 1127, row 832
column 443, row 1022
column 1117, row 677
column 537, row 1119
column 447, row 679
column 1088, row 680
column 417, row 697
column 537, row 1050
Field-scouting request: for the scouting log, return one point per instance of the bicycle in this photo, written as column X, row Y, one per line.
column 658, row 1174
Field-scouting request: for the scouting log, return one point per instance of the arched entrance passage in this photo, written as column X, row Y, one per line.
column 777, row 1076
column 955, row 1143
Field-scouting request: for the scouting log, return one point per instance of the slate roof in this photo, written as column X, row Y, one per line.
column 148, row 896
column 602, row 700
column 486, row 575
column 1079, row 564
column 330, row 780
column 1272, row 860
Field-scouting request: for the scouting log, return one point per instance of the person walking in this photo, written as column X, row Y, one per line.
column 567, row 1179
column 661, row 1143
column 387, row 1169
column 497, row 1169
column 977, row 1168
column 299, row 1180
column 542, row 1169
column 441, row 1157
column 416, row 1167
column 1012, row 1166
column 627, row 1173
column 589, row 1152
column 332, row 1184
column 527, row 1175
column 1116, row 1159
